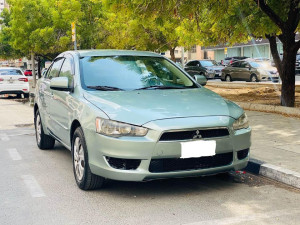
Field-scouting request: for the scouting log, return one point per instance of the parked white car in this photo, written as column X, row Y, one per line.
column 13, row 81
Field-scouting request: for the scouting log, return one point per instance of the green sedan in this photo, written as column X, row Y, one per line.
column 136, row 116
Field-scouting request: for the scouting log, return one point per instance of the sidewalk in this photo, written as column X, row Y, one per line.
column 275, row 139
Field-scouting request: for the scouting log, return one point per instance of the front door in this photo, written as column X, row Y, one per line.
column 61, row 105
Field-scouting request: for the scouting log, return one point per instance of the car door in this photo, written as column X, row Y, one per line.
column 190, row 67
column 234, row 70
column 61, row 105
column 244, row 71
column 46, row 94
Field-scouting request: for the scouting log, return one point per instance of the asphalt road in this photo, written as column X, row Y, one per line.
column 38, row 187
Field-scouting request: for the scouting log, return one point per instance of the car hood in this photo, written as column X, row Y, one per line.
column 215, row 67
column 140, row 107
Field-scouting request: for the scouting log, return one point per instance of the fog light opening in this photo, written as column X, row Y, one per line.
column 123, row 164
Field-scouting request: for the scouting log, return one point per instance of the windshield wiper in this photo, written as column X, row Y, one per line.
column 160, row 87
column 105, row 88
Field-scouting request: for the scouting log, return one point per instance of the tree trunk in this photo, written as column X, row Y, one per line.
column 286, row 68
column 172, row 54
column 288, row 78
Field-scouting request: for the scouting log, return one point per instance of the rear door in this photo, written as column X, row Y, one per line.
column 12, row 79
column 61, row 106
column 244, row 71
column 191, row 68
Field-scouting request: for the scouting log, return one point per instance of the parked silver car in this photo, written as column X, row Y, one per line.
column 136, row 116
column 249, row 71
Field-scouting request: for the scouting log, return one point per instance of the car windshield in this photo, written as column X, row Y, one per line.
column 209, row 63
column 255, row 64
column 114, row 73
column 10, row 72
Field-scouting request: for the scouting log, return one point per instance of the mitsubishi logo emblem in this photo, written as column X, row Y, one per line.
column 197, row 135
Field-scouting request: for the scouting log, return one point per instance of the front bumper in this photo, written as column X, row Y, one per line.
column 210, row 75
column 145, row 149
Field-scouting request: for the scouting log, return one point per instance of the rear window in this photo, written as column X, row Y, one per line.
column 10, row 72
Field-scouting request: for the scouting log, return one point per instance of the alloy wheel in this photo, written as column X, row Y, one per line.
column 79, row 163
column 38, row 127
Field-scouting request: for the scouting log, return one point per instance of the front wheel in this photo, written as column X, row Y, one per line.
column 253, row 78
column 85, row 179
column 228, row 78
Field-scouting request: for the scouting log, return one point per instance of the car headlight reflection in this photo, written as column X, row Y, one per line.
column 118, row 129
column 241, row 122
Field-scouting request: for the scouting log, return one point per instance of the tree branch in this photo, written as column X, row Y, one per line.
column 274, row 51
column 270, row 13
column 293, row 15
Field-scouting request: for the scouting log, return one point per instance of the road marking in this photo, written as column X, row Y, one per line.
column 246, row 218
column 14, row 154
column 4, row 137
column 33, row 186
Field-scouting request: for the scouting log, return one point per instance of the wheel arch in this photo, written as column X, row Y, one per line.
column 74, row 126
column 35, row 109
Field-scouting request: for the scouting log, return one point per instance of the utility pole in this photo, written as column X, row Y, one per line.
column 74, row 35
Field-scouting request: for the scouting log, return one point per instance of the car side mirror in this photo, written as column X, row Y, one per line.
column 60, row 84
column 200, row 79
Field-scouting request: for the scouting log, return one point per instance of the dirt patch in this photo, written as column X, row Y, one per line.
column 260, row 95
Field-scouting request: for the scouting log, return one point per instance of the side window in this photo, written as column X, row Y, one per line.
column 189, row 64
column 54, row 70
column 47, row 72
column 66, row 70
column 244, row 64
column 235, row 64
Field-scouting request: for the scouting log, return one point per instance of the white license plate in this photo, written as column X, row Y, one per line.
column 196, row 149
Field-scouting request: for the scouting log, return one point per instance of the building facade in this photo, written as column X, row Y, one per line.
column 256, row 48
column 196, row 52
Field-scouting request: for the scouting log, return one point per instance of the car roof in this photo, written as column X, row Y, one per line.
column 112, row 52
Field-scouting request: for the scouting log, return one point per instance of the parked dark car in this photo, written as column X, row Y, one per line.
column 231, row 59
column 249, row 71
column 203, row 67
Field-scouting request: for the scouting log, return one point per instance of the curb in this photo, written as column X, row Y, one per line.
column 274, row 172
column 270, row 108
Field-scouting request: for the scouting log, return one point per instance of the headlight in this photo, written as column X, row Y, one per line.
column 264, row 72
column 117, row 129
column 241, row 122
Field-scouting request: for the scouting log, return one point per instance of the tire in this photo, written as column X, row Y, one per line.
column 228, row 78
column 253, row 78
column 84, row 178
column 43, row 141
